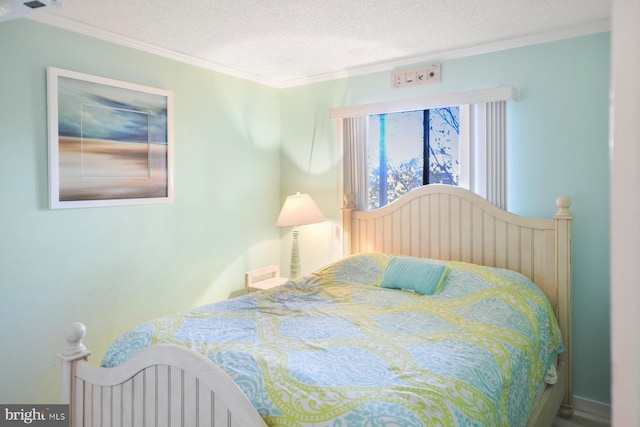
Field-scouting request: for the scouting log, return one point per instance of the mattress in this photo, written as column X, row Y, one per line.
column 338, row 349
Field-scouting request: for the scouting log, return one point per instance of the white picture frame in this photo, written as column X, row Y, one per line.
column 110, row 142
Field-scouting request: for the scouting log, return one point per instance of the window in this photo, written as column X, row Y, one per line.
column 477, row 160
column 401, row 146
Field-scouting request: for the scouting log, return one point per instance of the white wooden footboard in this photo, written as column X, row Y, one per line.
column 163, row 385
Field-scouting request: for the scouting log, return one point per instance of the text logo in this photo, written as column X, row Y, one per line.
column 34, row 415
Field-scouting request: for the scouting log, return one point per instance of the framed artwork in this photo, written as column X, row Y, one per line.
column 110, row 142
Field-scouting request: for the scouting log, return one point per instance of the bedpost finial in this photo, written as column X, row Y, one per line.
column 563, row 203
column 74, row 334
column 348, row 202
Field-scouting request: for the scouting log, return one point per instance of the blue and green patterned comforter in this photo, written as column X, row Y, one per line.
column 335, row 349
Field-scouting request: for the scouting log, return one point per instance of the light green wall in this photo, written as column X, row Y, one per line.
column 558, row 144
column 115, row 267
column 240, row 148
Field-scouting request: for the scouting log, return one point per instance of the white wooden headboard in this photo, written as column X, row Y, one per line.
column 452, row 223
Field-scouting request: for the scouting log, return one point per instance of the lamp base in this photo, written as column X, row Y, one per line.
column 294, row 269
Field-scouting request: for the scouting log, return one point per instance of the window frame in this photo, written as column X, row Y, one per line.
column 425, row 150
column 476, row 159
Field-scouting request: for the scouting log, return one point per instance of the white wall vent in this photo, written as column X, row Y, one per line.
column 13, row 9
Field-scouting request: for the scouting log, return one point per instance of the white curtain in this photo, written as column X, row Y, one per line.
column 356, row 178
column 489, row 147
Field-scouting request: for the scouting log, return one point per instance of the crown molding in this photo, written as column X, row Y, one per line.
column 436, row 56
column 439, row 56
column 107, row 36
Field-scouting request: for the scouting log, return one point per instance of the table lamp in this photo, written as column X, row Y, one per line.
column 298, row 209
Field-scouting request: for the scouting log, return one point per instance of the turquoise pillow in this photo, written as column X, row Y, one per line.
column 421, row 275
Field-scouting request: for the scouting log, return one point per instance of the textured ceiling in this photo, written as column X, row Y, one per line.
column 288, row 42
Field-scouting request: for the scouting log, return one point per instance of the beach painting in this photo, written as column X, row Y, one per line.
column 110, row 142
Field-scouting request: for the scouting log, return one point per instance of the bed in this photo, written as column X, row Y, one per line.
column 351, row 345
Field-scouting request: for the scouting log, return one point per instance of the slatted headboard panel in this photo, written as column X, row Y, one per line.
column 452, row 223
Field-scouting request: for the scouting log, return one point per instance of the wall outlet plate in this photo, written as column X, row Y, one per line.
column 416, row 76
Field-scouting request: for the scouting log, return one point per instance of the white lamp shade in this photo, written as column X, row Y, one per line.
column 299, row 209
